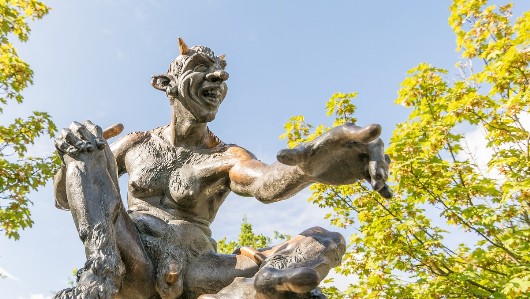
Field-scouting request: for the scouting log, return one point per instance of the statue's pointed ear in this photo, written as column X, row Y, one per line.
column 161, row 82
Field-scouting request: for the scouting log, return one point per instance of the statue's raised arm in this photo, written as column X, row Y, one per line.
column 160, row 246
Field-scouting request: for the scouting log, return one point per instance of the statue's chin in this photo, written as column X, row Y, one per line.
column 205, row 118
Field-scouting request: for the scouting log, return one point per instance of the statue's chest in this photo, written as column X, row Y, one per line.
column 180, row 174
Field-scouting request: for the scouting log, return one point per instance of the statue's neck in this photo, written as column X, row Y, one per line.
column 185, row 130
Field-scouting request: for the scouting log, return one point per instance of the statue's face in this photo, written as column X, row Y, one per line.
column 201, row 86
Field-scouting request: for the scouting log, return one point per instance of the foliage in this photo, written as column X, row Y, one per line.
column 72, row 280
column 19, row 172
column 459, row 225
column 247, row 238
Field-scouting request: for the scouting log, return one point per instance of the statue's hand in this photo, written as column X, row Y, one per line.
column 81, row 142
column 343, row 155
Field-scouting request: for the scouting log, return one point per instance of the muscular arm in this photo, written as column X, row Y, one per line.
column 59, row 181
column 340, row 156
column 267, row 183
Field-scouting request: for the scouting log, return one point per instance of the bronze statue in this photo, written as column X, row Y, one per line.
column 179, row 175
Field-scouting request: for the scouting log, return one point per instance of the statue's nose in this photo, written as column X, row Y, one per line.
column 217, row 76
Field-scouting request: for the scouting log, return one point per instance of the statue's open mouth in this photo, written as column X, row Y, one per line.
column 212, row 95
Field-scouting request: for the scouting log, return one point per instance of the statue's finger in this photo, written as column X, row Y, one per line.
column 292, row 156
column 100, row 143
column 361, row 134
column 377, row 165
column 378, row 174
column 81, row 131
column 94, row 129
column 64, row 147
column 73, row 139
column 61, row 145
column 385, row 192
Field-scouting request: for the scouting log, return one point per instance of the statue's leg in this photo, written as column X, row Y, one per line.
column 298, row 265
column 211, row 272
column 289, row 270
column 139, row 279
column 116, row 261
column 115, row 255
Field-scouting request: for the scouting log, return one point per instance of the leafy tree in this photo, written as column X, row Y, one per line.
column 247, row 238
column 403, row 247
column 19, row 172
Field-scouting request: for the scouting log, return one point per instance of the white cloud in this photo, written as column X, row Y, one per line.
column 525, row 120
column 3, row 272
column 475, row 147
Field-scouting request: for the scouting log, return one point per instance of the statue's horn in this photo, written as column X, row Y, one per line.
column 184, row 50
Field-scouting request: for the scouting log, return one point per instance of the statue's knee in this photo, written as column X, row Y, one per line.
column 320, row 233
column 332, row 241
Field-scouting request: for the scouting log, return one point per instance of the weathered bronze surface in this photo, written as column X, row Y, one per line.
column 179, row 175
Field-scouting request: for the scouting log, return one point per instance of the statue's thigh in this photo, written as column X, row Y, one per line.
column 211, row 272
column 139, row 276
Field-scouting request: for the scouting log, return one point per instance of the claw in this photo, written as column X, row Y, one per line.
column 60, row 146
column 72, row 151
column 81, row 146
column 100, row 143
column 385, row 192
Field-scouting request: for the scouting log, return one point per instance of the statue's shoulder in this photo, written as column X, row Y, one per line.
column 125, row 144
column 129, row 141
column 133, row 139
column 239, row 152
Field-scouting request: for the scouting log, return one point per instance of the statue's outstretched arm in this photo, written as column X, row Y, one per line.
column 343, row 155
column 267, row 183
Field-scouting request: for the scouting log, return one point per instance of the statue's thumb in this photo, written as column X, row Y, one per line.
column 290, row 157
column 366, row 134
column 112, row 131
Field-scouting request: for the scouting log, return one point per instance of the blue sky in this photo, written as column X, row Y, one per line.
column 93, row 60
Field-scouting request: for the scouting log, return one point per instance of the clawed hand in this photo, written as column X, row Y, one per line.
column 84, row 138
column 79, row 138
column 343, row 155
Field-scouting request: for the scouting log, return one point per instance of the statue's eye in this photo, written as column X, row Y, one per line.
column 201, row 68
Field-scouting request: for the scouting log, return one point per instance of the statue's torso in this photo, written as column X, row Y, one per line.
column 176, row 182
